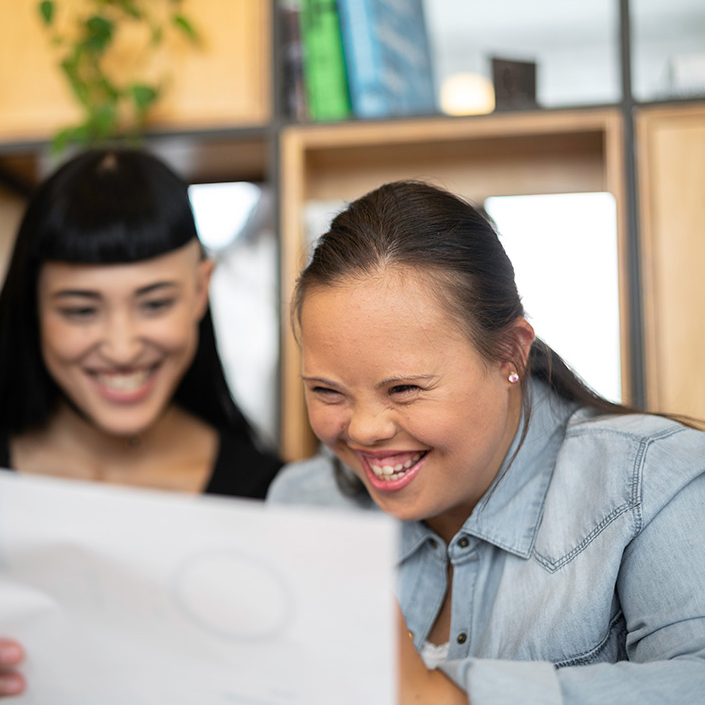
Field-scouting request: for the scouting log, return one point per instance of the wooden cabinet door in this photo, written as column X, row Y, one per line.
column 223, row 83
column 671, row 171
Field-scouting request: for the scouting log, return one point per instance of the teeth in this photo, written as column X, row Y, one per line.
column 388, row 472
column 124, row 382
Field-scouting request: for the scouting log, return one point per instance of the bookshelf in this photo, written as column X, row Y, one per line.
column 226, row 120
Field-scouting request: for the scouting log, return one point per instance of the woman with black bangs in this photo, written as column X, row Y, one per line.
column 108, row 362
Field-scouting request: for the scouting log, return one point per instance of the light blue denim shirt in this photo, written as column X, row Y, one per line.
column 579, row 577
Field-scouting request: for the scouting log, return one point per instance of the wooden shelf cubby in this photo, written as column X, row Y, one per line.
column 503, row 154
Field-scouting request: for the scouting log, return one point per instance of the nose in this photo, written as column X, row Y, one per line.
column 370, row 425
column 121, row 341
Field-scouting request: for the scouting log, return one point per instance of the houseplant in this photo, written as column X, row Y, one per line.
column 108, row 51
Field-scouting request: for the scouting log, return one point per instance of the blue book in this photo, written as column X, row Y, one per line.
column 387, row 58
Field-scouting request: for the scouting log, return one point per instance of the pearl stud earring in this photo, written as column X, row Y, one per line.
column 513, row 378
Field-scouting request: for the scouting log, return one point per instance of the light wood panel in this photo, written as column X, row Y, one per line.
column 671, row 151
column 225, row 83
column 509, row 154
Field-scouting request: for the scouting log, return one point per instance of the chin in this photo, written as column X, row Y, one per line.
column 119, row 429
column 123, row 433
column 395, row 509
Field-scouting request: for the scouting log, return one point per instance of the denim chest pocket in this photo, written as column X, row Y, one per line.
column 578, row 551
column 610, row 648
column 594, row 490
column 566, row 612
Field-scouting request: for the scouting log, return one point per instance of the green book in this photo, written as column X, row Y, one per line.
column 324, row 63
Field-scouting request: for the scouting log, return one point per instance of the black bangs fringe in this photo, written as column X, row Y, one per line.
column 120, row 209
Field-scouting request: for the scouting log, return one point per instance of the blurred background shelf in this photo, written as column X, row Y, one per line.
column 619, row 108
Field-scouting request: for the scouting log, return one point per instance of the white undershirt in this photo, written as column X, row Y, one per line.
column 433, row 655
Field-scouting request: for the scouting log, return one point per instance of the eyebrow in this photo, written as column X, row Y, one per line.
column 322, row 380
column 94, row 295
column 383, row 383
column 404, row 379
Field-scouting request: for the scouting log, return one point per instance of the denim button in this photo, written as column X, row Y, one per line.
column 462, row 638
column 434, row 543
column 464, row 542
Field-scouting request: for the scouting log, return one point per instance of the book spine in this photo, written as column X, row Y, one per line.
column 293, row 84
column 364, row 61
column 324, row 64
column 387, row 57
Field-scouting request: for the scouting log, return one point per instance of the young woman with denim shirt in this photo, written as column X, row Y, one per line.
column 551, row 541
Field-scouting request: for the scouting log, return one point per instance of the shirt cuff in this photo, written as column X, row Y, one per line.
column 496, row 682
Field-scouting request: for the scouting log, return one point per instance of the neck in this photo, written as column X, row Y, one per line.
column 78, row 430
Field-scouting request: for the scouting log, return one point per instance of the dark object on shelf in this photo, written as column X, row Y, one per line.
column 294, row 85
column 514, row 84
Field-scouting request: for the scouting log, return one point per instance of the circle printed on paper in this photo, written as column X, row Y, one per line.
column 234, row 595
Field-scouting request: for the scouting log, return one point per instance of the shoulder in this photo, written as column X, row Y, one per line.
column 636, row 461
column 311, row 482
column 241, row 468
column 638, row 439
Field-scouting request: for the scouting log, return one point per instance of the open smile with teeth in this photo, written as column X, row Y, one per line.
column 394, row 472
column 124, row 381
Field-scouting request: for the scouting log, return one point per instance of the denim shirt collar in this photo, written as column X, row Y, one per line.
column 509, row 513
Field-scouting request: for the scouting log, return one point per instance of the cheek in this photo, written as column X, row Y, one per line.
column 457, row 425
column 176, row 333
column 63, row 343
column 326, row 421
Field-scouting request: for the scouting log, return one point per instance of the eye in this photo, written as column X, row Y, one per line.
column 401, row 388
column 404, row 392
column 326, row 394
column 157, row 306
column 78, row 313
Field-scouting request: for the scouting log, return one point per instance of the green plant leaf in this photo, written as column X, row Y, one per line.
column 102, row 122
column 130, row 9
column 111, row 91
column 78, row 86
column 181, row 23
column 157, row 36
column 143, row 96
column 46, row 10
column 68, row 136
column 99, row 33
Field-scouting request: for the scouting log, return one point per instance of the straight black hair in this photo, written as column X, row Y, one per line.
column 101, row 207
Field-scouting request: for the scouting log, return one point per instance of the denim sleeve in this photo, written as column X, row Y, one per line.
column 662, row 593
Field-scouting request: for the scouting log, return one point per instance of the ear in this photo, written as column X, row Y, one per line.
column 519, row 340
column 204, row 272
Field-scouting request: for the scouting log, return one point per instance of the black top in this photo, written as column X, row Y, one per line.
column 241, row 470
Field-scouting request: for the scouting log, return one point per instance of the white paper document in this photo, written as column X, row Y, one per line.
column 138, row 597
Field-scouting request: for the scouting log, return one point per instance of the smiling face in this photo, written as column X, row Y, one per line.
column 118, row 338
column 396, row 390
